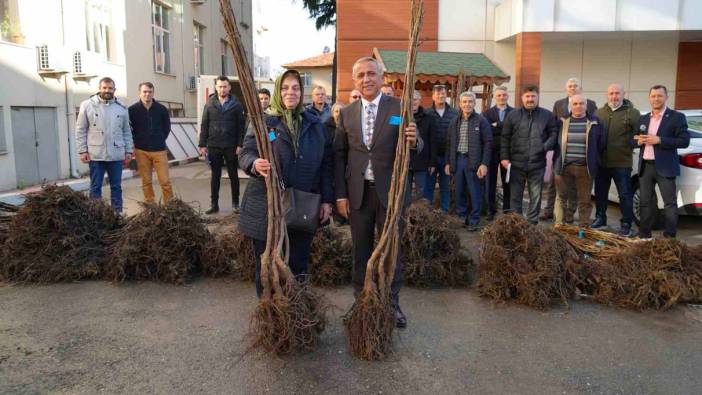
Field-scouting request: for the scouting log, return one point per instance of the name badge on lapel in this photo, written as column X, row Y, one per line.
column 395, row 120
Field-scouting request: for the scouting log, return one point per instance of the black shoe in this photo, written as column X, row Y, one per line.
column 545, row 216
column 490, row 217
column 400, row 318
column 212, row 210
column 598, row 223
column 472, row 228
column 235, row 207
column 626, row 231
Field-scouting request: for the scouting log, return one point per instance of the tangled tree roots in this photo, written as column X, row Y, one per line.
column 431, row 247
column 369, row 326
column 163, row 243
column 330, row 260
column 57, row 235
column 522, row 262
column 230, row 253
column 291, row 323
column 653, row 274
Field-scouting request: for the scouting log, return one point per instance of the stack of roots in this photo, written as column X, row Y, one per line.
column 653, row 274
column 432, row 249
column 57, row 235
column 162, row 243
column 7, row 211
column 522, row 262
column 230, row 254
column 330, row 260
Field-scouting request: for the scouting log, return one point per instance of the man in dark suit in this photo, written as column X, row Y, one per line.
column 366, row 137
column 561, row 109
column 661, row 132
column 496, row 116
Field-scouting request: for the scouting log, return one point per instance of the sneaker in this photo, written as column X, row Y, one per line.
column 490, row 217
column 626, row 231
column 598, row 223
column 235, row 207
column 212, row 210
column 644, row 237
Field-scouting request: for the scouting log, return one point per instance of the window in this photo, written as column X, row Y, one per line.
column 162, row 37
column 306, row 79
column 199, row 48
column 9, row 21
column 3, row 144
column 227, row 60
column 97, row 28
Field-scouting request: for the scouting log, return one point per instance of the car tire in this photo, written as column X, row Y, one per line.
column 658, row 223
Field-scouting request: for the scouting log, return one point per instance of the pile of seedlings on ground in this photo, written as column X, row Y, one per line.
column 432, row 249
column 7, row 211
column 522, row 262
column 57, row 235
column 654, row 274
column 330, row 259
column 230, row 253
column 162, row 243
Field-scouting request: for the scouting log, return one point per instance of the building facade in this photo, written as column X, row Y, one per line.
column 52, row 60
column 315, row 71
column 638, row 43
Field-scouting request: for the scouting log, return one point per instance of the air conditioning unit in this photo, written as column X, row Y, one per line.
column 44, row 62
column 198, row 2
column 191, row 83
column 77, row 63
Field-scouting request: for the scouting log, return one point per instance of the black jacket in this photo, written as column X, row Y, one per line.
column 427, row 126
column 560, row 108
column 150, row 128
column 493, row 116
column 479, row 142
column 526, row 136
column 222, row 129
column 311, row 171
column 330, row 127
column 450, row 114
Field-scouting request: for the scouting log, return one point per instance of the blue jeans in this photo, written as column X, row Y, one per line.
column 622, row 179
column 468, row 179
column 419, row 178
column 114, row 174
column 299, row 259
column 444, row 189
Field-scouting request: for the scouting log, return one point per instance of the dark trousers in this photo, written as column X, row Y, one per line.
column 218, row 158
column 533, row 179
column 369, row 218
column 419, row 178
column 622, row 179
column 573, row 177
column 467, row 181
column 444, row 187
column 648, row 179
column 299, row 260
column 493, row 169
column 114, row 175
column 549, row 193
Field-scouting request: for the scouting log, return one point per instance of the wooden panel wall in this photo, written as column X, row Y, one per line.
column 365, row 24
column 527, row 63
column 688, row 86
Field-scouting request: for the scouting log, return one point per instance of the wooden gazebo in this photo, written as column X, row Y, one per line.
column 459, row 71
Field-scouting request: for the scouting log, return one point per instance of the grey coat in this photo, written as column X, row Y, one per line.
column 102, row 130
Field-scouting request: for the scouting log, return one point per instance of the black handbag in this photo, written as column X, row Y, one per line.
column 301, row 209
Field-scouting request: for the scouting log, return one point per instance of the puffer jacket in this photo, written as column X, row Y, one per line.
column 311, row 170
column 479, row 142
column 102, row 130
column 527, row 136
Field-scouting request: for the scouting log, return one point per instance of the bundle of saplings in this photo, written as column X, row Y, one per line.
column 525, row 263
column 58, row 234
column 432, row 249
column 162, row 243
column 7, row 211
column 330, row 259
column 230, row 253
column 653, row 274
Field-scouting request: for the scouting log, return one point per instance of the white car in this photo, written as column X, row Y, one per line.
column 689, row 183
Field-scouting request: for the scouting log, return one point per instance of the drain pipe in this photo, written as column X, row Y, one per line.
column 72, row 163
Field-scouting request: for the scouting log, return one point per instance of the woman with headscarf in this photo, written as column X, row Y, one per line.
column 304, row 160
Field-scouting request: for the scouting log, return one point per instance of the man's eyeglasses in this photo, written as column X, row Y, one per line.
column 356, row 97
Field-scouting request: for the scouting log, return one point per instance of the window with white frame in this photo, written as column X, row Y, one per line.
column 97, row 28
column 227, row 60
column 306, row 79
column 199, row 48
column 161, row 37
